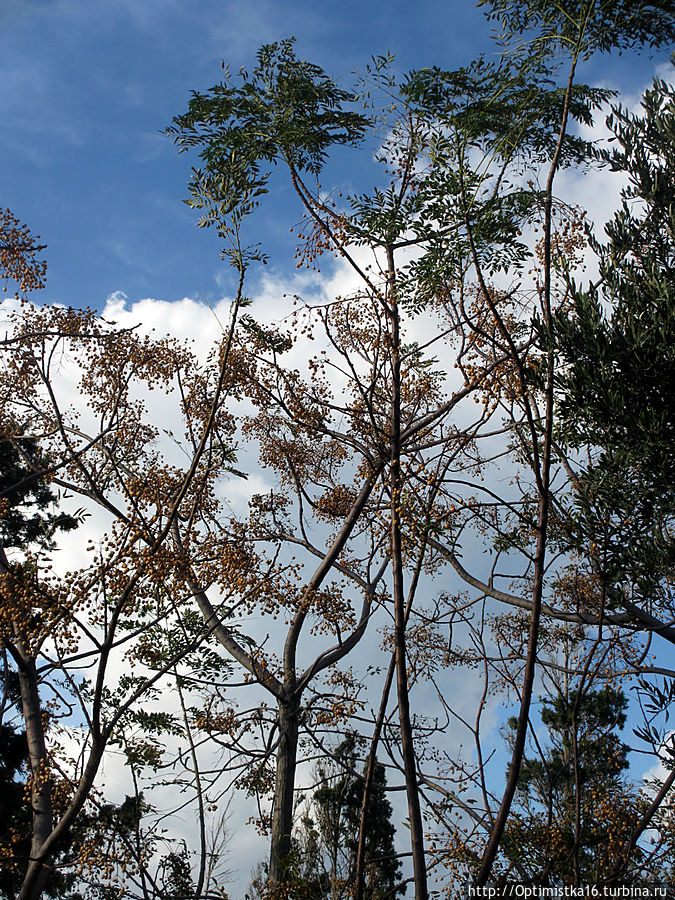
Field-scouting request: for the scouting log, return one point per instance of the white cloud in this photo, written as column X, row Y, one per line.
column 186, row 319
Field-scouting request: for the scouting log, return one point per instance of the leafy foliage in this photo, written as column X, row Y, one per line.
column 28, row 499
column 596, row 25
column 618, row 379
column 286, row 109
column 482, row 127
column 583, row 763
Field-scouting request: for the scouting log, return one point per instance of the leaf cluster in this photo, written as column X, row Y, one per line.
column 616, row 348
column 596, row 26
column 286, row 110
column 29, row 516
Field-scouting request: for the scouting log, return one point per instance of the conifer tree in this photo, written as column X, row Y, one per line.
column 29, row 518
column 326, row 839
column 574, row 808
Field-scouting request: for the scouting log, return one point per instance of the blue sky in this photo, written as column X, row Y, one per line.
column 89, row 85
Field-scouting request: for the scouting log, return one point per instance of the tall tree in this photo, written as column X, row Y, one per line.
column 583, row 753
column 580, row 32
column 57, row 628
column 618, row 371
column 329, row 832
column 394, row 410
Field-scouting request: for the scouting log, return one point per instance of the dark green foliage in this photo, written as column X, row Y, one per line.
column 29, row 518
column 657, row 700
column 174, row 876
column 602, row 756
column 124, row 818
column 13, row 766
column 511, row 108
column 123, row 824
column 13, row 757
column 541, row 837
column 617, row 384
column 15, row 820
column 326, row 844
column 286, row 110
column 28, row 521
column 597, row 26
column 483, row 127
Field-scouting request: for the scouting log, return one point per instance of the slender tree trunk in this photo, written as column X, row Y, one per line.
column 334, row 890
column 358, row 879
column 40, row 795
column 282, row 810
column 407, row 746
column 543, row 475
column 360, row 864
column 499, row 824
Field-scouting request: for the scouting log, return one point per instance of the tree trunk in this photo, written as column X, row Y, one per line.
column 360, row 864
column 408, row 747
column 400, row 618
column 282, row 810
column 40, row 796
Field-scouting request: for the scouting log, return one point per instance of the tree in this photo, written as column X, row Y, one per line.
column 329, row 834
column 24, row 530
column 615, row 384
column 618, row 370
column 376, row 468
column 382, row 222
column 54, row 629
column 576, row 810
column 585, row 30
column 585, row 756
column 394, row 410
column 326, row 837
column 32, row 521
